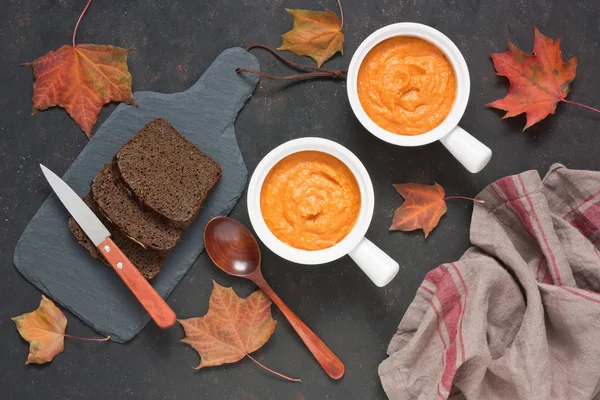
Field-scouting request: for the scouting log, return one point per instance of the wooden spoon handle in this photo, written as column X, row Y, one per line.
column 332, row 365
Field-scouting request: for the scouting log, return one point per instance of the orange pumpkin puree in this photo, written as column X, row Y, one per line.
column 406, row 85
column 310, row 200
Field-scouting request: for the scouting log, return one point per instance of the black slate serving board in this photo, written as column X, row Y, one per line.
column 50, row 257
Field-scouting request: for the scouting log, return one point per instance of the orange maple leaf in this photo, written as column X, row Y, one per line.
column 81, row 78
column 537, row 82
column 44, row 329
column 423, row 207
column 317, row 34
column 232, row 329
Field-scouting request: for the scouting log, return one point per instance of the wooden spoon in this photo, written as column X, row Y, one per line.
column 234, row 249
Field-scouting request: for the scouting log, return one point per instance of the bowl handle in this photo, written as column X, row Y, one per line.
column 470, row 152
column 378, row 266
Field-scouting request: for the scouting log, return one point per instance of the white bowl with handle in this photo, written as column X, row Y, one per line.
column 378, row 266
column 469, row 151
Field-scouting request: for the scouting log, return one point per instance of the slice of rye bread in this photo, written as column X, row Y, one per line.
column 147, row 261
column 134, row 220
column 167, row 173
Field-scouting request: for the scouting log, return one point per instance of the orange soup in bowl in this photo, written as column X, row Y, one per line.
column 310, row 200
column 406, row 85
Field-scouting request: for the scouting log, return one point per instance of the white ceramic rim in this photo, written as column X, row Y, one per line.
column 448, row 47
column 317, row 256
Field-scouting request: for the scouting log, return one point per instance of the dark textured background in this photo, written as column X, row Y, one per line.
column 172, row 43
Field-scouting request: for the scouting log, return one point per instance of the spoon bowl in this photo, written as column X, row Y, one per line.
column 232, row 247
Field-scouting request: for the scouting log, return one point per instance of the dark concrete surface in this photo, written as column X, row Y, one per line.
column 172, row 43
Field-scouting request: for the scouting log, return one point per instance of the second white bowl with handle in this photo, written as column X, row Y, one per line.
column 378, row 266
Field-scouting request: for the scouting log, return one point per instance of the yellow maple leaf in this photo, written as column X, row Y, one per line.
column 44, row 329
column 317, row 34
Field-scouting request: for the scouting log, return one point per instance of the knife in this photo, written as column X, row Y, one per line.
column 158, row 309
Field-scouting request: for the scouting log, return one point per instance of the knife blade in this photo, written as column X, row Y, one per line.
column 158, row 309
column 87, row 220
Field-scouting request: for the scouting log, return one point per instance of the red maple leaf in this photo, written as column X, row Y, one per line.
column 81, row 78
column 537, row 82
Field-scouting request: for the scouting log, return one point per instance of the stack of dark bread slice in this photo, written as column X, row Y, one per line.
column 149, row 193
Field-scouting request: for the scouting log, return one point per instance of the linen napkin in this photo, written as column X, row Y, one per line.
column 517, row 317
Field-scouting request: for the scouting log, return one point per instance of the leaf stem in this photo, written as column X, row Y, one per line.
column 274, row 372
column 329, row 74
column 79, row 20
column 341, row 14
column 465, row 198
column 299, row 67
column 308, row 71
column 581, row 105
column 88, row 339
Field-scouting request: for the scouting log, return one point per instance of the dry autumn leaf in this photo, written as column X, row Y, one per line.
column 317, row 34
column 232, row 329
column 423, row 207
column 81, row 79
column 537, row 82
column 44, row 329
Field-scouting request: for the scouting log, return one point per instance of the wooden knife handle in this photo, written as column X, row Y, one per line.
column 158, row 309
